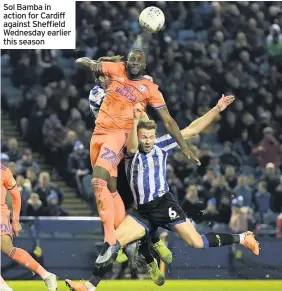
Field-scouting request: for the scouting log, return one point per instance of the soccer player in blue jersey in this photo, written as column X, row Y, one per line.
column 155, row 206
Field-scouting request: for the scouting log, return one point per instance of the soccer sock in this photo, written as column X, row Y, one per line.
column 130, row 250
column 2, row 282
column 155, row 236
column 105, row 206
column 144, row 249
column 119, row 209
column 24, row 258
column 212, row 239
column 93, row 282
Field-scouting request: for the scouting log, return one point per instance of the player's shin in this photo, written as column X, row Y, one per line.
column 160, row 247
column 129, row 230
column 105, row 206
column 222, row 239
column 156, row 275
column 119, row 209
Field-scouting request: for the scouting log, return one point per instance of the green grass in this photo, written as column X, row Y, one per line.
column 169, row 286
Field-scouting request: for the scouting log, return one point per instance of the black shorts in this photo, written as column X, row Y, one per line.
column 161, row 212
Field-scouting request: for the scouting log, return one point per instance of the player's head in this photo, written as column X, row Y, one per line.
column 146, row 135
column 5, row 159
column 136, row 63
column 103, row 80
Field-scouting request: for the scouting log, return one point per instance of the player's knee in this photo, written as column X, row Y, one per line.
column 196, row 241
column 129, row 231
column 101, row 173
column 112, row 185
column 6, row 244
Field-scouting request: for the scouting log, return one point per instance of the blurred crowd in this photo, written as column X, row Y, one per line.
column 216, row 47
column 40, row 197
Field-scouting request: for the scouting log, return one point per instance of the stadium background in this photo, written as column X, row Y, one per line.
column 206, row 49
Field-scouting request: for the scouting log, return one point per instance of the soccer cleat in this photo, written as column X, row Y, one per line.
column 163, row 252
column 107, row 257
column 76, row 286
column 51, row 282
column 250, row 242
column 121, row 258
column 156, row 275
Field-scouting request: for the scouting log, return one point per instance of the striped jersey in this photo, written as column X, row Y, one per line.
column 95, row 99
column 146, row 173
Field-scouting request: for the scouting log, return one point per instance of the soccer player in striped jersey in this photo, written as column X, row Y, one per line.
column 9, row 231
column 155, row 206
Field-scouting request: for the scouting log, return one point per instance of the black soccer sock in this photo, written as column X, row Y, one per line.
column 144, row 249
column 212, row 239
column 155, row 236
column 95, row 280
column 130, row 250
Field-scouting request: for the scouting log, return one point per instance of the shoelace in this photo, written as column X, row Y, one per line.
column 157, row 245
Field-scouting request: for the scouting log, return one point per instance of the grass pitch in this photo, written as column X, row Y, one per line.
column 169, row 286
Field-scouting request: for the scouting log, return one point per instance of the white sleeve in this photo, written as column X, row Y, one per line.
column 95, row 99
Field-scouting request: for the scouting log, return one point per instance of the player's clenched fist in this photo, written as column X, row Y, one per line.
column 137, row 111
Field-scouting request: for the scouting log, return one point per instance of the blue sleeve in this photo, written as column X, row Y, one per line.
column 166, row 143
column 96, row 98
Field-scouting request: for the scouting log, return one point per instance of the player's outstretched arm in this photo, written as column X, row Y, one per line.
column 132, row 141
column 86, row 63
column 173, row 129
column 201, row 123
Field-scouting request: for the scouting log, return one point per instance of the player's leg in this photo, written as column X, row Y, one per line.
column 152, row 265
column 24, row 258
column 100, row 179
column 118, row 203
column 129, row 231
column 130, row 250
column 90, row 285
column 189, row 234
column 111, row 152
column 160, row 247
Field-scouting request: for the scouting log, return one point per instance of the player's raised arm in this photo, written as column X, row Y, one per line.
column 86, row 63
column 157, row 102
column 132, row 141
column 104, row 66
column 201, row 123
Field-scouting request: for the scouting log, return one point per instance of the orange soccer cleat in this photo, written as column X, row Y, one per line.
column 76, row 286
column 250, row 242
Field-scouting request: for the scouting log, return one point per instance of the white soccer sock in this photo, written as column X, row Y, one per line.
column 242, row 237
column 89, row 286
column 46, row 275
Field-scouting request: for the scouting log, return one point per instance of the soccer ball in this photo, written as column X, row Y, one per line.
column 152, row 19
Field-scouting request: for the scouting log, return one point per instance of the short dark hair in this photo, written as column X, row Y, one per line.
column 138, row 50
column 148, row 124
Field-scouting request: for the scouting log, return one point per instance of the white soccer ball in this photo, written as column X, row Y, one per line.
column 152, row 19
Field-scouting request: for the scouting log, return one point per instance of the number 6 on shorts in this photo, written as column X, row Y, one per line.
column 171, row 213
